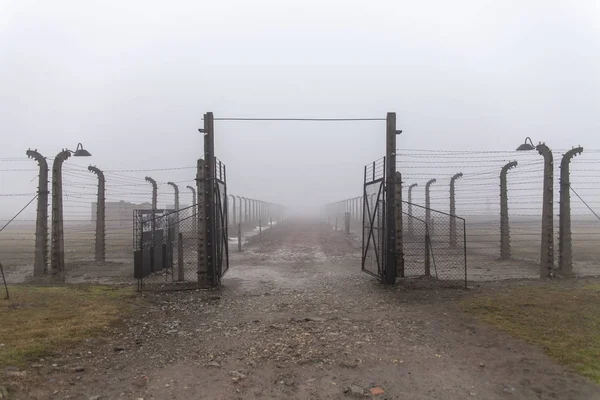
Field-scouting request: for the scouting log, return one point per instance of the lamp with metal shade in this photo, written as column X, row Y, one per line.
column 526, row 146
column 80, row 151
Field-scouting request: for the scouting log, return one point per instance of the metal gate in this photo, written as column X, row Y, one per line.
column 219, row 235
column 373, row 236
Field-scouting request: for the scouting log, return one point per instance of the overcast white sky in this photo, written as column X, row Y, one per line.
column 131, row 80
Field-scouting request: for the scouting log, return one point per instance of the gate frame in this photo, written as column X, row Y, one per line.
column 215, row 244
column 369, row 216
column 390, row 231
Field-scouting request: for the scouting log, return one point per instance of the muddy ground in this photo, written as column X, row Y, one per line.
column 297, row 319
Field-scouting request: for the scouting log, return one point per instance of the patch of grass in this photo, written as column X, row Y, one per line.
column 39, row 321
column 565, row 321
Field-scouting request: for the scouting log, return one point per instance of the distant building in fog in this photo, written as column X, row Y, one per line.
column 120, row 212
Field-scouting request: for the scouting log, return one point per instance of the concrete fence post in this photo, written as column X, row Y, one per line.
column 504, row 223
column 245, row 209
column 565, row 255
column 176, row 206
column 57, row 257
column 154, row 205
column 100, row 248
column 547, row 245
column 428, row 204
column 40, row 265
column 410, row 214
column 195, row 207
column 233, row 213
column 176, row 190
column 453, row 209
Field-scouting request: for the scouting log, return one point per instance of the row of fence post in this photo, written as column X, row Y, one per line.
column 255, row 211
column 57, row 258
column 547, row 267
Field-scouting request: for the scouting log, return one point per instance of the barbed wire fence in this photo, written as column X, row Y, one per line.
column 17, row 241
column 477, row 199
column 125, row 190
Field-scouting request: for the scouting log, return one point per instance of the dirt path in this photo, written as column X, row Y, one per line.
column 297, row 319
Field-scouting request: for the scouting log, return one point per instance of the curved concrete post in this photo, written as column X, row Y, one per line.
column 176, row 189
column 246, row 209
column 100, row 248
column 154, row 204
column 504, row 225
column 240, row 219
column 194, row 203
column 453, row 209
column 40, row 265
column 176, row 206
column 194, row 200
column 428, row 203
column 57, row 257
column 547, row 245
column 565, row 255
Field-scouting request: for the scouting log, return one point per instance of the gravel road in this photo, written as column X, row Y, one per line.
column 296, row 319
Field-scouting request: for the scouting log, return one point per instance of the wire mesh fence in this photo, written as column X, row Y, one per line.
column 433, row 244
column 166, row 249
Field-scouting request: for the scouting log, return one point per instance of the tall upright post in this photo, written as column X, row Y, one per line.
column 240, row 220
column 399, row 238
column 209, row 197
column 453, row 209
column 100, row 248
column 154, row 205
column 40, row 265
column 176, row 207
column 547, row 245
column 233, row 213
column 194, row 216
column 504, row 224
column 245, row 209
column 565, row 255
column 201, row 232
column 256, row 214
column 250, row 210
column 428, row 204
column 57, row 258
column 255, row 204
column 176, row 190
column 410, row 219
column 390, row 193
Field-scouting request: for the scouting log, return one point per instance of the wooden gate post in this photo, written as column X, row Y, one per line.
column 210, row 257
column 390, row 207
